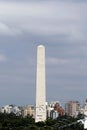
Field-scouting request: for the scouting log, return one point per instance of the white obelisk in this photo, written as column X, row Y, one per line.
column 40, row 85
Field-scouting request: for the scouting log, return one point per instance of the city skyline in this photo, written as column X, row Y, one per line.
column 61, row 27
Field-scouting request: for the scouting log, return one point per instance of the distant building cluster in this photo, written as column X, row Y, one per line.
column 73, row 108
column 53, row 109
column 11, row 109
column 23, row 110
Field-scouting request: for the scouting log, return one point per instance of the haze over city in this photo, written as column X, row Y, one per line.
column 61, row 26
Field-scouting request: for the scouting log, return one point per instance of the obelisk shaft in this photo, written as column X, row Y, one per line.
column 40, row 85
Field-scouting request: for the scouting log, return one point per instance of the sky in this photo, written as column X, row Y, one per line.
column 61, row 26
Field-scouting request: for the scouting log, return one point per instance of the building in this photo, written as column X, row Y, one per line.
column 52, row 104
column 54, row 114
column 28, row 110
column 49, row 110
column 72, row 108
column 83, row 110
column 54, row 109
column 10, row 109
column 59, row 109
column 40, row 114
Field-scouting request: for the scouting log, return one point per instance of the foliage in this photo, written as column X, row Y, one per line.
column 13, row 122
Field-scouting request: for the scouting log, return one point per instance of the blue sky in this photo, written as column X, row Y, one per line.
column 60, row 25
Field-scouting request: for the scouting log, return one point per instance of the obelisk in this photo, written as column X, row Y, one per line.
column 40, row 85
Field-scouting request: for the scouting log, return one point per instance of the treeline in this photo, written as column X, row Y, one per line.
column 13, row 122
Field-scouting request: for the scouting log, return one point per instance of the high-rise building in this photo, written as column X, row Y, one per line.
column 40, row 85
column 72, row 108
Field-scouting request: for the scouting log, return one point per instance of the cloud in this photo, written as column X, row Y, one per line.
column 56, row 61
column 7, row 30
column 63, row 19
column 3, row 58
column 60, row 25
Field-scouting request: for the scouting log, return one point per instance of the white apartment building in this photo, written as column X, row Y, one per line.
column 10, row 109
column 83, row 110
column 51, row 113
